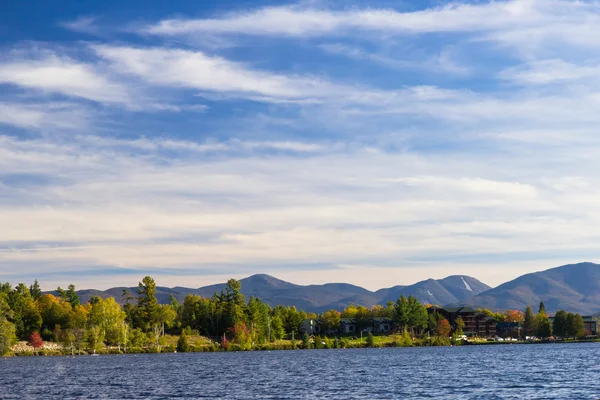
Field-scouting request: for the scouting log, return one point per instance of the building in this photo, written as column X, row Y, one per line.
column 381, row 325
column 310, row 326
column 509, row 329
column 589, row 325
column 347, row 325
column 475, row 323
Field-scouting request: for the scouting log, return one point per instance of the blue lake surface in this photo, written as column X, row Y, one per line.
column 560, row 371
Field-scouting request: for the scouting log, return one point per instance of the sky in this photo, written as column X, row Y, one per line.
column 372, row 142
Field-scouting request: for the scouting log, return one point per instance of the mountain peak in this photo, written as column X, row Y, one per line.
column 266, row 280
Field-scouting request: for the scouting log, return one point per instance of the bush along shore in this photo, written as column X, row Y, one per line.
column 33, row 323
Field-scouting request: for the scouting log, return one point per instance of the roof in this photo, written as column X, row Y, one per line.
column 381, row 320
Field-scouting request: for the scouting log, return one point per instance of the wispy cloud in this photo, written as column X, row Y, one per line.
column 46, row 71
column 83, row 24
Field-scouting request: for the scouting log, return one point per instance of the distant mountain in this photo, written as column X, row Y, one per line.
column 453, row 289
column 317, row 298
column 574, row 287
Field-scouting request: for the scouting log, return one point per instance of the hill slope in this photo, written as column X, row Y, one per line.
column 573, row 287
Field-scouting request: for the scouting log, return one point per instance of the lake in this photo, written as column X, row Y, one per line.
column 562, row 371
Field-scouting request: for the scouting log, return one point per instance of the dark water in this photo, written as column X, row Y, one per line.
column 561, row 371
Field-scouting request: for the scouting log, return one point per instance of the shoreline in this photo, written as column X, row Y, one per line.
column 53, row 349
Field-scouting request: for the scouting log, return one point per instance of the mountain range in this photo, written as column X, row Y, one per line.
column 574, row 287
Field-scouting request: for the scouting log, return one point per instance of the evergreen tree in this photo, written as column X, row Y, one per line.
column 72, row 296
column 35, row 290
column 542, row 308
column 529, row 322
column 306, row 341
column 147, row 304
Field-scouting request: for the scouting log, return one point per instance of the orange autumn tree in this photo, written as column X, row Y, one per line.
column 443, row 328
column 514, row 316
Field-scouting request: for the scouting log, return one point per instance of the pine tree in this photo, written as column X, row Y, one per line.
column 306, row 341
column 35, row 290
column 147, row 303
column 542, row 308
column 72, row 296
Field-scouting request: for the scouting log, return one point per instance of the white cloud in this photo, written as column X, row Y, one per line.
column 297, row 21
column 196, row 70
column 49, row 72
column 550, row 71
column 47, row 116
column 109, row 205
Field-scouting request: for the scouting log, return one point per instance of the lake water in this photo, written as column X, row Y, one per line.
column 562, row 371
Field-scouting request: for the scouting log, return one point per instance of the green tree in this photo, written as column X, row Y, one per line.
column 182, row 343
column 36, row 291
column 559, row 326
column 543, row 326
column 108, row 316
column 460, row 325
column 362, row 319
column 26, row 316
column 370, row 340
column 148, row 308
column 277, row 331
column 306, row 344
column 331, row 321
column 7, row 329
column 95, row 338
column 72, row 296
column 417, row 315
column 529, row 322
column 542, row 309
column 405, row 339
column 575, row 325
column 401, row 314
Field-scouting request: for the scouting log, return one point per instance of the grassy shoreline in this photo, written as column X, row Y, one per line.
column 200, row 344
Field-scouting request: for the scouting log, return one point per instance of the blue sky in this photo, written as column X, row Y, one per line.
column 376, row 143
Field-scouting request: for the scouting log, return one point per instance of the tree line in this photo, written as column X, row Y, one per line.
column 138, row 320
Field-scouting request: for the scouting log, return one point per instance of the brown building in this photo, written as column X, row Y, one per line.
column 476, row 323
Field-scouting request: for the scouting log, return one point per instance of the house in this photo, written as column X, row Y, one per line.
column 381, row 325
column 310, row 326
column 347, row 325
column 475, row 323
